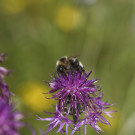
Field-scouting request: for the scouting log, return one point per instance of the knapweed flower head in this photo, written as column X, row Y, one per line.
column 77, row 95
column 4, row 90
column 9, row 119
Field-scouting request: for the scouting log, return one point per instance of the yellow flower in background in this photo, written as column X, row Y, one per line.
column 32, row 96
column 13, row 6
column 68, row 17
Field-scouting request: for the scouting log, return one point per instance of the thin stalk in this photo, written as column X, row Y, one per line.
column 75, row 121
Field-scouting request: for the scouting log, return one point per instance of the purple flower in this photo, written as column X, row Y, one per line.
column 9, row 119
column 59, row 120
column 4, row 90
column 76, row 95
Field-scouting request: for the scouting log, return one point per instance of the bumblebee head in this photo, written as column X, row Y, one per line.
column 61, row 69
column 61, row 64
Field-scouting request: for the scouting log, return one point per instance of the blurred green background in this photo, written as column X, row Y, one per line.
column 35, row 33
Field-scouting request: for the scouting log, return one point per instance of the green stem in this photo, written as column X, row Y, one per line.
column 75, row 121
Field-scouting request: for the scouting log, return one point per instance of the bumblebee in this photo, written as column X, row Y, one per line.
column 69, row 65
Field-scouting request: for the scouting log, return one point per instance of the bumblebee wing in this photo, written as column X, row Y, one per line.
column 74, row 56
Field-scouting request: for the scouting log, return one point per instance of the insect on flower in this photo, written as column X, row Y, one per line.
column 76, row 95
column 69, row 65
